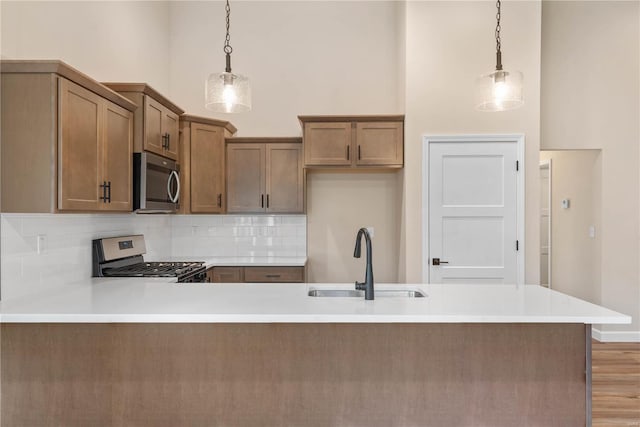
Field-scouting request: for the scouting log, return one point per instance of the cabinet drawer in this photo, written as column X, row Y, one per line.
column 274, row 274
column 225, row 275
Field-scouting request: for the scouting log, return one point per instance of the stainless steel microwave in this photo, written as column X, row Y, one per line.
column 156, row 184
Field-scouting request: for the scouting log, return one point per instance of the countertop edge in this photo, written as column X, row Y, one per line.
column 292, row 318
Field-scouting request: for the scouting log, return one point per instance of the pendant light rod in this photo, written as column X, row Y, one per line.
column 498, row 41
column 227, row 47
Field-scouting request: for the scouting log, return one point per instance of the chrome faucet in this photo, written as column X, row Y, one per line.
column 367, row 285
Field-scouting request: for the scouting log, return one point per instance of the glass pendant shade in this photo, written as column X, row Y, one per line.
column 499, row 91
column 228, row 93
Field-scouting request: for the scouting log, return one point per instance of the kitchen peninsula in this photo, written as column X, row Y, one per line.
column 147, row 352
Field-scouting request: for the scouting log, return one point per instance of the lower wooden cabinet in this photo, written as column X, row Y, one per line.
column 225, row 275
column 273, row 274
column 256, row 274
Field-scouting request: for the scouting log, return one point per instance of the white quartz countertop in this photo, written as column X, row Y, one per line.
column 137, row 300
column 243, row 261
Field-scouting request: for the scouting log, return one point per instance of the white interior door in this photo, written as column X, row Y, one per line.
column 473, row 224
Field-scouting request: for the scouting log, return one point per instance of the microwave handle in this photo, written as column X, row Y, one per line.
column 173, row 198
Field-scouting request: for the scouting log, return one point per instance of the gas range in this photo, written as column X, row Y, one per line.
column 122, row 257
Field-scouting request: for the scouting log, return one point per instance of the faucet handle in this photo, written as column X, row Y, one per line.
column 360, row 286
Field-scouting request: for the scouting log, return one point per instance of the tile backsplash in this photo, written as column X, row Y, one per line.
column 48, row 250
column 239, row 235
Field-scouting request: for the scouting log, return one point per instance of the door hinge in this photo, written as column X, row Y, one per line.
column 517, row 245
column 517, row 165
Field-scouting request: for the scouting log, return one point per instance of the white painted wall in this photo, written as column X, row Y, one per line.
column 575, row 256
column 108, row 40
column 591, row 99
column 339, row 204
column 448, row 44
column 310, row 57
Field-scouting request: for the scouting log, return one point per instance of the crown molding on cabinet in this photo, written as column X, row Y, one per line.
column 65, row 70
column 147, row 90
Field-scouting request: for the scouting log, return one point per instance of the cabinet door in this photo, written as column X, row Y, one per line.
column 327, row 144
column 79, row 156
column 274, row 274
column 245, row 177
column 284, row 178
column 379, row 143
column 225, row 275
column 153, row 117
column 170, row 127
column 117, row 156
column 207, row 169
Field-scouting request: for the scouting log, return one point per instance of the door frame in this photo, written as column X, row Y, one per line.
column 518, row 139
column 547, row 164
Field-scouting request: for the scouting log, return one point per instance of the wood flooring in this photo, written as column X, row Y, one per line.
column 616, row 384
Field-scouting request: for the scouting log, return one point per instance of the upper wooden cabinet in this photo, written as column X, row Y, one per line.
column 353, row 141
column 66, row 141
column 156, row 122
column 265, row 175
column 202, row 164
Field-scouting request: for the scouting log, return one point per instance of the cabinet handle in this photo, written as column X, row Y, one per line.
column 109, row 192
column 164, row 140
column 220, row 200
column 104, row 191
column 359, row 153
column 168, row 141
column 348, row 152
column 267, row 201
column 272, row 276
column 262, row 200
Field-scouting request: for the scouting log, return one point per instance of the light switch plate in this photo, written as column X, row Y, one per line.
column 41, row 243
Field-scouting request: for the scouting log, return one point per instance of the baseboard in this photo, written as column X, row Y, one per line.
column 615, row 336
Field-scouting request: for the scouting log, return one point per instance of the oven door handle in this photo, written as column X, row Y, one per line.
column 173, row 198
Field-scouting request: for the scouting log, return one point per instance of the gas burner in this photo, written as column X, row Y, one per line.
column 122, row 257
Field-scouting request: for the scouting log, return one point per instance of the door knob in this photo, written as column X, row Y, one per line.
column 436, row 261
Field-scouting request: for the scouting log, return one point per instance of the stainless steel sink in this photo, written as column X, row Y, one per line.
column 379, row 293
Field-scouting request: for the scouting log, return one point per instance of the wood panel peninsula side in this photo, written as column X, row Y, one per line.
column 267, row 354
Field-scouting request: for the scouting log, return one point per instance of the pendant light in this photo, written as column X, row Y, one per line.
column 500, row 90
column 228, row 92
